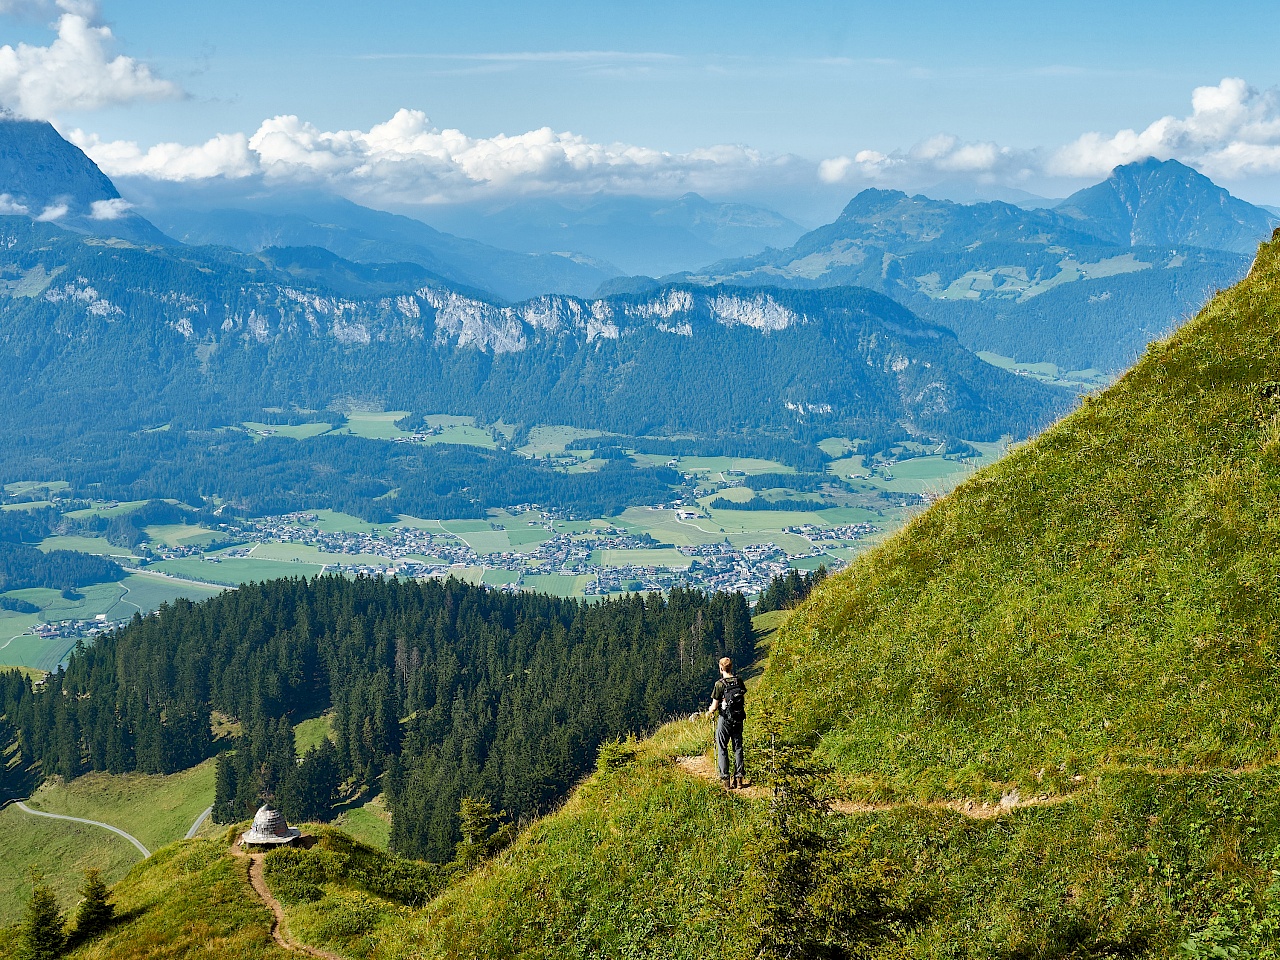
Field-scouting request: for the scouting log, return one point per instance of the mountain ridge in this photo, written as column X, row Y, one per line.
column 1064, row 285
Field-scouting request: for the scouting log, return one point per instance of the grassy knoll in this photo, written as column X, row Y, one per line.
column 369, row 822
column 155, row 809
column 312, row 732
column 191, row 900
column 62, row 850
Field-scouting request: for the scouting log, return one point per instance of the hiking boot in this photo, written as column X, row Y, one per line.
column 726, row 783
column 737, row 782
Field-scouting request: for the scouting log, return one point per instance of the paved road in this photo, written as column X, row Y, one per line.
column 199, row 820
column 93, row 823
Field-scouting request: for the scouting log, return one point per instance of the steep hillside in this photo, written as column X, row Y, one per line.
column 42, row 175
column 1106, row 595
column 1076, row 286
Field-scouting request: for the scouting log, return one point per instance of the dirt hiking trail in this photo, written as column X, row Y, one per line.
column 704, row 767
column 279, row 928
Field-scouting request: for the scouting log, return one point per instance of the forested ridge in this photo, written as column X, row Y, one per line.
column 438, row 690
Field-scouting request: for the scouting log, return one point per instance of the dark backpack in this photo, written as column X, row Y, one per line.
column 733, row 705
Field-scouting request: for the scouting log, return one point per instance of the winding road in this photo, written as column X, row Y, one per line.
column 93, row 823
column 199, row 820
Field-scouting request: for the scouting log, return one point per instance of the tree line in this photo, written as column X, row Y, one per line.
column 436, row 690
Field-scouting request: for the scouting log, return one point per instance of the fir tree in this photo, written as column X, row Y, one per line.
column 483, row 832
column 95, row 912
column 41, row 936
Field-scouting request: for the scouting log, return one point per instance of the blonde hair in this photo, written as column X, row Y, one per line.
column 726, row 664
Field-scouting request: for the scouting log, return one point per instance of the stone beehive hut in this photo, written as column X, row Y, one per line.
column 269, row 829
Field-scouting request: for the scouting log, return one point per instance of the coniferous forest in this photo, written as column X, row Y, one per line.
column 437, row 690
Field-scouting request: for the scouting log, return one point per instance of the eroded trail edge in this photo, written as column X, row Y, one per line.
column 704, row 767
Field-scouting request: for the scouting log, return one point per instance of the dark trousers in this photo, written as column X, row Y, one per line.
column 728, row 732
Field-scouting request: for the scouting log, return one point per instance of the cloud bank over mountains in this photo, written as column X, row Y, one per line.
column 408, row 160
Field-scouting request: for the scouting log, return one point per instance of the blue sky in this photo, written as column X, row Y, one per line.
column 795, row 83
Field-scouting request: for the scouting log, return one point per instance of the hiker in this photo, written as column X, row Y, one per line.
column 729, row 706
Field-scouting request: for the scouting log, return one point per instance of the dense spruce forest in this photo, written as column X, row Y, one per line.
column 436, row 689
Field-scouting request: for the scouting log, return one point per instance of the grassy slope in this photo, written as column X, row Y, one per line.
column 63, row 851
column 1105, row 596
column 155, row 809
column 191, row 900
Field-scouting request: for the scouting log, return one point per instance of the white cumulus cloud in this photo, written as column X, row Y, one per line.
column 55, row 211
column 109, row 209
column 11, row 207
column 939, row 155
column 407, row 160
column 77, row 71
column 1233, row 131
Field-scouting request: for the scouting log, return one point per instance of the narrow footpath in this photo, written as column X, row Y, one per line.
column 279, row 927
column 704, row 767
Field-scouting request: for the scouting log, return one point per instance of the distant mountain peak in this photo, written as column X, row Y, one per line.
column 1152, row 202
column 47, row 177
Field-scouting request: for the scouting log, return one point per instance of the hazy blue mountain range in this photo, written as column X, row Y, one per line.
column 638, row 234
column 1087, row 284
column 97, row 331
column 251, row 220
column 42, row 175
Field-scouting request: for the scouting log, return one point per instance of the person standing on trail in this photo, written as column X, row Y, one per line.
column 729, row 707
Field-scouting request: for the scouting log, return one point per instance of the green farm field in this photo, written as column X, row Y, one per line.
column 181, row 534
column 95, row 545
column 233, row 571
column 119, row 509
column 545, row 441
column 291, row 554
column 297, row 431
column 663, row 557
column 556, row 584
